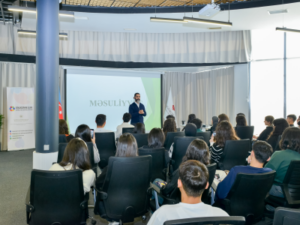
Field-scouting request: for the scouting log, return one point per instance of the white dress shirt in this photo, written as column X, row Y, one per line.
column 102, row 130
column 119, row 128
column 138, row 104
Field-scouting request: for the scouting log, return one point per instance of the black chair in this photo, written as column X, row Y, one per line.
column 247, row 196
column 179, row 149
column 290, row 188
column 170, row 138
column 231, row 220
column 62, row 138
column 106, row 146
column 245, row 132
column 127, row 130
column 126, row 191
column 206, row 136
column 286, row 216
column 206, row 196
column 277, row 148
column 234, row 154
column 178, row 129
column 141, row 139
column 158, row 161
column 56, row 197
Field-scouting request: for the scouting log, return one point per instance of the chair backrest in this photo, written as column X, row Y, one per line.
column 244, row 132
column 179, row 149
column 106, row 146
column 286, row 216
column 277, row 148
column 230, row 220
column 126, row 184
column 62, row 138
column 62, row 148
column 291, row 183
column 141, row 139
column 206, row 197
column 56, row 197
column 247, row 194
column 158, row 161
column 170, row 138
column 206, row 136
column 234, row 154
column 178, row 129
column 127, row 130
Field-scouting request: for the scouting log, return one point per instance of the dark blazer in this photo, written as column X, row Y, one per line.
column 265, row 134
column 134, row 111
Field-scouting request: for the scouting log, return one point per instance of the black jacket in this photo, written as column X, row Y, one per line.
column 265, row 134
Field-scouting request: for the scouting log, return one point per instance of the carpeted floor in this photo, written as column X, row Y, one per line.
column 15, row 169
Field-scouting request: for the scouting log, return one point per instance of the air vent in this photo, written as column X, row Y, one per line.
column 274, row 12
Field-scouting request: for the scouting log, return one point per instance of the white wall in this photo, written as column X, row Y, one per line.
column 241, row 91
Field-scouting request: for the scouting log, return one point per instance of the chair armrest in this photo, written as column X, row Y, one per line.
column 101, row 195
column 29, row 210
column 84, row 205
column 155, row 188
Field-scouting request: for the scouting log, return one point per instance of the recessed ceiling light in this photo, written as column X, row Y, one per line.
column 280, row 11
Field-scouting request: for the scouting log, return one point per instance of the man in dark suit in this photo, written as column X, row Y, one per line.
column 137, row 110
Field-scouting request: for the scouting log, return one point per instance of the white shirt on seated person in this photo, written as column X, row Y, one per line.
column 120, row 127
column 88, row 176
column 101, row 129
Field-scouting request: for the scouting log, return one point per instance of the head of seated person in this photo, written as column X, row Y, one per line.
column 197, row 150
column 126, row 117
column 76, row 154
column 139, row 128
column 279, row 126
column 191, row 117
column 83, row 131
column 241, row 121
column 224, row 132
column 241, row 114
column 193, row 180
column 127, row 146
column 291, row 119
column 198, row 124
column 260, row 154
column 223, row 117
column 190, row 130
column 170, row 117
column 269, row 120
column 156, row 138
column 63, row 127
column 100, row 120
column 290, row 139
column 169, row 126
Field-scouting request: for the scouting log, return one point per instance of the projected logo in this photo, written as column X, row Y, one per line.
column 12, row 108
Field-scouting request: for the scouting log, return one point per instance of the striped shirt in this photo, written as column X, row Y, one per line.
column 215, row 151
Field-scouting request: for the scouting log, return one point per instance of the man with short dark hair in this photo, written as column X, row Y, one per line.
column 101, row 122
column 126, row 119
column 198, row 124
column 193, row 180
column 260, row 154
column 170, row 117
column 137, row 110
column 291, row 119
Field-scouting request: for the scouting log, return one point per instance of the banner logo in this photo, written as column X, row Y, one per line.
column 12, row 108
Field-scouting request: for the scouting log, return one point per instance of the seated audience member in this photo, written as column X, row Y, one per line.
column 240, row 114
column 279, row 126
column 214, row 123
column 126, row 147
column 126, row 119
column 139, row 128
column 197, row 150
column 169, row 126
column 156, row 139
column 76, row 156
column 224, row 132
column 170, row 117
column 84, row 132
column 101, row 122
column 64, row 129
column 190, row 118
column 291, row 119
column 260, row 154
column 280, row 160
column 223, row 117
column 266, row 132
column 241, row 121
column 190, row 131
column 193, row 180
column 198, row 124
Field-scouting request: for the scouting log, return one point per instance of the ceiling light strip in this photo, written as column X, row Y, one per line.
column 31, row 32
column 287, row 30
column 169, row 20
column 210, row 22
column 33, row 10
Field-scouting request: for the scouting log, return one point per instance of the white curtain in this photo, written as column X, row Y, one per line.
column 206, row 94
column 20, row 75
column 206, row 47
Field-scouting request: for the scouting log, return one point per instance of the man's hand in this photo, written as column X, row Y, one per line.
column 141, row 112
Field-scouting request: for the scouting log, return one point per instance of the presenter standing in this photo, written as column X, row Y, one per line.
column 137, row 110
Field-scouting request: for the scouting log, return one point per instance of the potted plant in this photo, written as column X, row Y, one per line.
column 1, row 123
